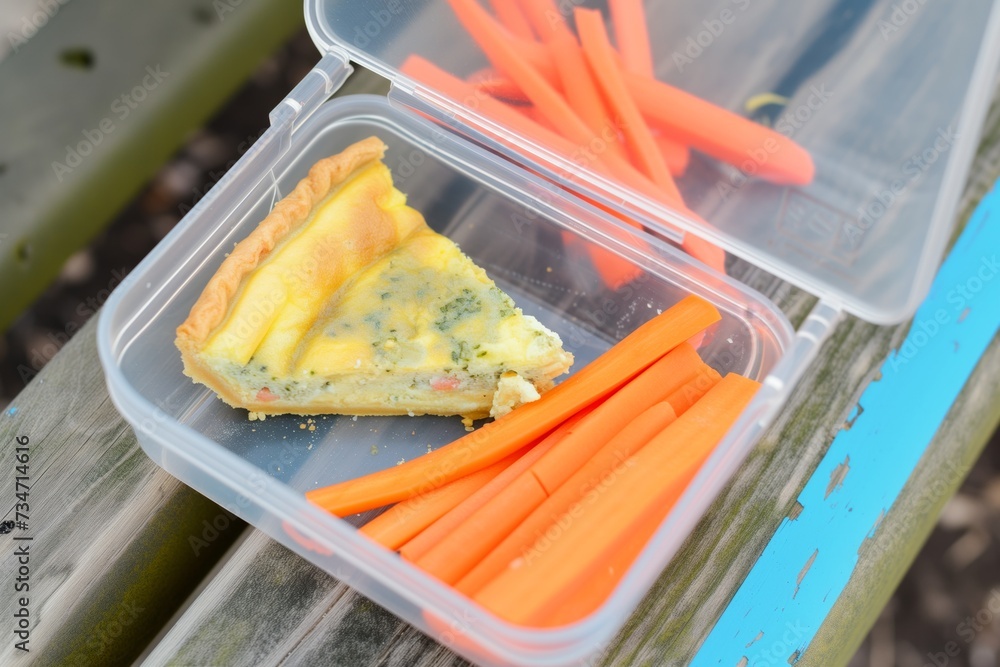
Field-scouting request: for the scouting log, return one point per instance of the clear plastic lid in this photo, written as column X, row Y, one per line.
column 887, row 96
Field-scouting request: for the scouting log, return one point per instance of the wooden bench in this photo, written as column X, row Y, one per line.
column 128, row 561
column 95, row 103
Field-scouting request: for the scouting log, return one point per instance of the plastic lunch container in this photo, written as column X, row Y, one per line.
column 887, row 95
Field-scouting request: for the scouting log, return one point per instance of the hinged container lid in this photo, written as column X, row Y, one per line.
column 888, row 96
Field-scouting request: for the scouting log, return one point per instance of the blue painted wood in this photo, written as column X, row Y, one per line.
column 796, row 581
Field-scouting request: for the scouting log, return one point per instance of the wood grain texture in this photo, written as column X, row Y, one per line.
column 111, row 557
column 202, row 52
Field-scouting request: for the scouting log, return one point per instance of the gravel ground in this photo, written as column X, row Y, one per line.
column 950, row 599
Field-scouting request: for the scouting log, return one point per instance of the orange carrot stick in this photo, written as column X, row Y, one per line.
column 614, row 270
column 438, row 530
column 706, row 252
column 582, row 487
column 511, row 17
column 581, row 90
column 721, row 133
column 675, row 154
column 717, row 132
column 506, row 58
column 471, row 541
column 435, row 78
column 532, row 113
column 692, row 391
column 546, row 98
column 496, row 84
column 455, row 555
column 614, row 273
column 601, row 57
column 586, row 599
column 605, row 163
column 404, row 520
column 544, row 16
column 632, row 35
column 668, row 375
column 495, row 440
column 534, row 587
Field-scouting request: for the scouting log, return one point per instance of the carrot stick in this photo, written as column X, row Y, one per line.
column 614, row 273
column 582, row 92
column 706, row 252
column 532, row 113
column 303, row 541
column 606, row 163
column 454, row 556
column 601, row 57
column 546, row 98
column 668, row 375
column 614, row 270
column 721, row 133
column 470, row 97
column 404, row 520
column 692, row 391
column 471, row 541
column 706, row 127
column 506, row 58
column 438, row 530
column 609, row 570
column 675, row 154
column 534, row 586
column 511, row 17
column 545, row 18
column 632, row 35
column 582, row 487
column 495, row 440
column 489, row 80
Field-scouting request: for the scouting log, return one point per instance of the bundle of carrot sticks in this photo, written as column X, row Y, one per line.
column 577, row 96
column 538, row 514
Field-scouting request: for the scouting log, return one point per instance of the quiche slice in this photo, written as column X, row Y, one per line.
column 344, row 301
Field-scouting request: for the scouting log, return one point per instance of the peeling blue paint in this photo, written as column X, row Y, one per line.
column 902, row 411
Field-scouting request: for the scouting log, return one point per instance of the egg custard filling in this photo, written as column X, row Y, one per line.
column 344, row 301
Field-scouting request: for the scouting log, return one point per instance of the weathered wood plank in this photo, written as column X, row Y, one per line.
column 111, row 556
column 886, row 557
column 109, row 89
